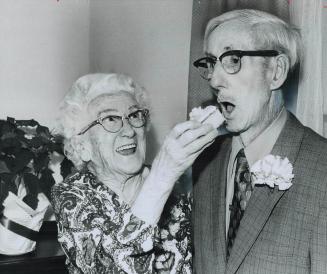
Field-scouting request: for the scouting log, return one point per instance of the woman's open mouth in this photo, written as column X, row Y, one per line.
column 126, row 149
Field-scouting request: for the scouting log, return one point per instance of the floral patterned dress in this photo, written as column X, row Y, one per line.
column 99, row 233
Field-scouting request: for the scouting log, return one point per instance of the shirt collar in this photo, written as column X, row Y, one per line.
column 263, row 144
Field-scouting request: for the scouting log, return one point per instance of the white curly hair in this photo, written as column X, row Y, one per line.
column 73, row 115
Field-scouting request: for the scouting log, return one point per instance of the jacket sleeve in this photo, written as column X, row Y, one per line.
column 99, row 233
column 318, row 244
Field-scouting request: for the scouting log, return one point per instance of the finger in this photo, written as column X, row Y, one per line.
column 191, row 135
column 189, row 160
column 201, row 143
column 179, row 129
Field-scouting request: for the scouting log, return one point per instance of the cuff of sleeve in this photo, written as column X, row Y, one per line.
column 150, row 202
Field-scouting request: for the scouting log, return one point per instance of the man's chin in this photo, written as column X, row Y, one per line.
column 233, row 127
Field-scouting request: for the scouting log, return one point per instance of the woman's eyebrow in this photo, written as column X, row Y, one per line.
column 107, row 110
column 104, row 111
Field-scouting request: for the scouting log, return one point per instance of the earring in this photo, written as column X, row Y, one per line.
column 85, row 155
column 85, row 151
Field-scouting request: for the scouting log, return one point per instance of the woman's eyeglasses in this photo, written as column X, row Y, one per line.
column 113, row 123
column 230, row 61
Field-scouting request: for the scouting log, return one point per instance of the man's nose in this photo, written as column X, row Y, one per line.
column 127, row 130
column 218, row 78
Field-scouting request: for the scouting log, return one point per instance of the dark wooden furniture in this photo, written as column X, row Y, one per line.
column 48, row 257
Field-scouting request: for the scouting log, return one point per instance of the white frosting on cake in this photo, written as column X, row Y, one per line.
column 209, row 115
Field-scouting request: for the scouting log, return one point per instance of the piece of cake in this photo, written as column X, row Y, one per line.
column 209, row 115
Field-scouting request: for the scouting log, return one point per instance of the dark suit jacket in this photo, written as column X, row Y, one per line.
column 281, row 231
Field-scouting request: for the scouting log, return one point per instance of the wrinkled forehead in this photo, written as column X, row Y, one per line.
column 230, row 35
column 119, row 102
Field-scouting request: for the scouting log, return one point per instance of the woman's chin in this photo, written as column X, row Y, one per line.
column 131, row 171
column 131, row 167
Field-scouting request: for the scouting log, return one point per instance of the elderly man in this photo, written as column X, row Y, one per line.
column 253, row 213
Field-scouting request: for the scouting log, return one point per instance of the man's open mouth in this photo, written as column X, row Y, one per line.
column 227, row 107
column 126, row 149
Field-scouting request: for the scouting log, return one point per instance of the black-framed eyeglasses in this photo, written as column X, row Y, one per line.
column 113, row 123
column 230, row 61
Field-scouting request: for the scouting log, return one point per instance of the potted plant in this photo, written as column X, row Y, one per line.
column 26, row 148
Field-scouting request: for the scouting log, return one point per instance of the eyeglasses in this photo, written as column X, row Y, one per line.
column 230, row 61
column 113, row 123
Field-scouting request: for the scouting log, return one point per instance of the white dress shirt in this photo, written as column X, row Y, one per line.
column 255, row 151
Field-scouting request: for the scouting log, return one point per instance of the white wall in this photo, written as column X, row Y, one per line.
column 149, row 40
column 47, row 44
column 44, row 47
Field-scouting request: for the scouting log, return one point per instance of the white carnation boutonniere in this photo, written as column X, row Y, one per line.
column 273, row 171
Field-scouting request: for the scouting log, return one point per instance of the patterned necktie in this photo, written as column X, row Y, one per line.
column 242, row 193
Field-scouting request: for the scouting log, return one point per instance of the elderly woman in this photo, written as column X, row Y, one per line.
column 113, row 215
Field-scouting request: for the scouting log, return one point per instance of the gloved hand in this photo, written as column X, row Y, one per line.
column 178, row 152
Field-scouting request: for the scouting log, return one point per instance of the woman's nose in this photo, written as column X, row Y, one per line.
column 127, row 130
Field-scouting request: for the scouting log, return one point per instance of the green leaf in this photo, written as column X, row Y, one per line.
column 11, row 120
column 43, row 131
column 31, row 183
column 7, row 127
column 20, row 142
column 4, row 191
column 31, row 200
column 8, row 179
column 20, row 134
column 3, row 167
column 66, row 167
column 10, row 142
column 27, row 123
column 47, row 182
column 41, row 161
column 36, row 142
column 56, row 147
column 19, row 161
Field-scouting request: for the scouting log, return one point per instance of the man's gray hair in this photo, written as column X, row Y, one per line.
column 73, row 114
column 268, row 31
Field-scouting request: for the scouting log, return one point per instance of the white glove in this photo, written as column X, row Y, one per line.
column 178, row 152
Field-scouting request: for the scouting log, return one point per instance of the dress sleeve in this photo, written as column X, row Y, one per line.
column 98, row 232
column 173, row 247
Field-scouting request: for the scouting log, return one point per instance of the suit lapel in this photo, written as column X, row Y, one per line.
column 209, row 177
column 219, row 190
column 264, row 199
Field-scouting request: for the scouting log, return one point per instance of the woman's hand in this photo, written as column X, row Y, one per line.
column 178, row 152
column 180, row 149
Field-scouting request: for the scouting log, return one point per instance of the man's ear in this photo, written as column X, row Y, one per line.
column 280, row 72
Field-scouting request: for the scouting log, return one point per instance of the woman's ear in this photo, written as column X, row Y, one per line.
column 85, row 149
column 280, row 72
